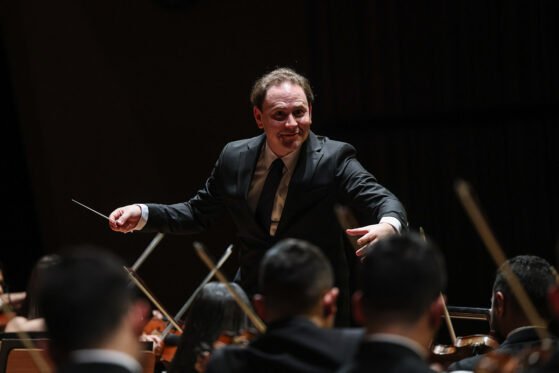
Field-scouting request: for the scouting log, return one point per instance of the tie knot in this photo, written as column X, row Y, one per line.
column 276, row 164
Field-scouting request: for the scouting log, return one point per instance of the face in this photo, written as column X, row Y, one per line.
column 285, row 118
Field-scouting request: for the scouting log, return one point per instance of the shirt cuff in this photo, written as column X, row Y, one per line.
column 395, row 223
column 144, row 219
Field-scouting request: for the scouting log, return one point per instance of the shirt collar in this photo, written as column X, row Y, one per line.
column 517, row 330
column 106, row 356
column 399, row 340
column 289, row 160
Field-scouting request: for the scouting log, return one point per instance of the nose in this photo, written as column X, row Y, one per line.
column 290, row 122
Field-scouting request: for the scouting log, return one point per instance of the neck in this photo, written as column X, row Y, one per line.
column 419, row 332
column 123, row 340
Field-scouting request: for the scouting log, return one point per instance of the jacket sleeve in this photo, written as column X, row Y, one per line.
column 194, row 215
column 361, row 189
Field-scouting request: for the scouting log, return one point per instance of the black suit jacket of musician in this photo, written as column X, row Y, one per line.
column 294, row 345
column 327, row 173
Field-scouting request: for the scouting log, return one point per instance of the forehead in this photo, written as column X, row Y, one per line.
column 285, row 93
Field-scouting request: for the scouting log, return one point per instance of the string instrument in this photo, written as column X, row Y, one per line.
column 156, row 326
column 461, row 347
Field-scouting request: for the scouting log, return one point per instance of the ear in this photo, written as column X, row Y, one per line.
column 257, row 116
column 357, row 309
column 310, row 113
column 553, row 300
column 499, row 304
column 259, row 305
column 329, row 302
column 139, row 315
column 435, row 312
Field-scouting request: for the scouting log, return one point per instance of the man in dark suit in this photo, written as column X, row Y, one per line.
column 507, row 319
column 399, row 303
column 283, row 183
column 92, row 319
column 298, row 301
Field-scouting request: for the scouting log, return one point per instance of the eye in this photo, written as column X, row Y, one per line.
column 299, row 113
column 279, row 115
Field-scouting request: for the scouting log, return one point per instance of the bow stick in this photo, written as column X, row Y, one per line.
column 139, row 283
column 258, row 323
column 207, row 279
column 463, row 190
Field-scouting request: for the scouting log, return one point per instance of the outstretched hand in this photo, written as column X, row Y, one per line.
column 370, row 234
column 125, row 219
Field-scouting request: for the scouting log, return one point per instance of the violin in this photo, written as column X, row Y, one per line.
column 155, row 326
column 466, row 346
column 528, row 359
column 227, row 338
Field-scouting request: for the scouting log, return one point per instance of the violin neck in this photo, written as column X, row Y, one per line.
column 469, row 313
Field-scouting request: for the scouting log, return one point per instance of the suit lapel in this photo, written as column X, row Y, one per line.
column 310, row 156
column 247, row 163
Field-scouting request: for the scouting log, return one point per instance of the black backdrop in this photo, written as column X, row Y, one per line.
column 114, row 102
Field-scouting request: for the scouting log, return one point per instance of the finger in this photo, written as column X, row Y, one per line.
column 122, row 220
column 362, row 250
column 367, row 239
column 356, row 231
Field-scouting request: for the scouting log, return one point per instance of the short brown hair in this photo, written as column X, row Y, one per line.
column 275, row 77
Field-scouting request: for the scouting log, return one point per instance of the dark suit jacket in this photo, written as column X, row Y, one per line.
column 327, row 173
column 294, row 345
column 385, row 357
column 516, row 342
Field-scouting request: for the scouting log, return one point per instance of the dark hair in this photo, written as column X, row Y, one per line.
column 30, row 308
column 275, row 77
column 213, row 312
column 83, row 298
column 400, row 277
column 535, row 274
column 294, row 274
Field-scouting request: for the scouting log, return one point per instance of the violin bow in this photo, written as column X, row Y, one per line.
column 207, row 279
column 148, row 250
column 445, row 309
column 257, row 321
column 36, row 356
column 463, row 190
column 139, row 283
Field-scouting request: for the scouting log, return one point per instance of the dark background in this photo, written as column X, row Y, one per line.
column 116, row 102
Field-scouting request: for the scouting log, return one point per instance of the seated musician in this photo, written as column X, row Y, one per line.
column 13, row 301
column 29, row 317
column 213, row 312
column 507, row 319
column 92, row 317
column 298, row 301
column 399, row 304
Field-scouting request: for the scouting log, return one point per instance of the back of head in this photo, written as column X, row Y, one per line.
column 30, row 308
column 213, row 312
column 401, row 276
column 276, row 77
column 83, row 299
column 536, row 275
column 294, row 275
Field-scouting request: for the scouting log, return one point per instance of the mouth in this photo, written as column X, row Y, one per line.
column 290, row 134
